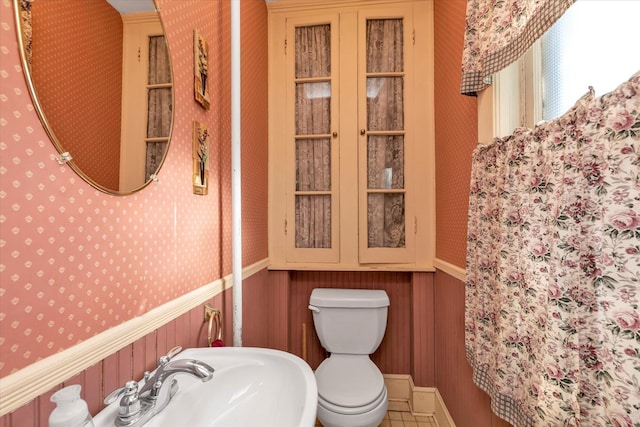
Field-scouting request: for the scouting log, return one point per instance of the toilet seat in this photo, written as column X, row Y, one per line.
column 349, row 384
column 342, row 410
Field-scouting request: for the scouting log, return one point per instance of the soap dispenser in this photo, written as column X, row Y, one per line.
column 70, row 410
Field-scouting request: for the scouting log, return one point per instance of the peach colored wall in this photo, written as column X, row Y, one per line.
column 80, row 45
column 255, row 142
column 188, row 330
column 256, row 310
column 468, row 405
column 394, row 353
column 74, row 261
column 456, row 133
column 456, row 137
column 407, row 347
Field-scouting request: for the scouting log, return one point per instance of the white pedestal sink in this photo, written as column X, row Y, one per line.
column 251, row 387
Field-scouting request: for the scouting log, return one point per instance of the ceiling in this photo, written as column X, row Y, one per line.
column 132, row 6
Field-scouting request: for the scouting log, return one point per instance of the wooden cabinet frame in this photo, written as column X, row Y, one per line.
column 350, row 251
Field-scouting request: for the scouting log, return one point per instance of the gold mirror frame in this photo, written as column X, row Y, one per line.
column 23, row 29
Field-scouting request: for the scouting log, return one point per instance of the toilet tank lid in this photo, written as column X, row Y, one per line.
column 356, row 298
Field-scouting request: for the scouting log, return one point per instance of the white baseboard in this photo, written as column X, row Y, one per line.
column 405, row 396
column 26, row 384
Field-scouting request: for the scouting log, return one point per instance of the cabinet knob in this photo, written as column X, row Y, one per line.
column 335, row 134
column 363, row 132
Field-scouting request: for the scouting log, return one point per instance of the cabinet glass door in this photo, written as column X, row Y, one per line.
column 159, row 104
column 312, row 138
column 313, row 235
column 385, row 141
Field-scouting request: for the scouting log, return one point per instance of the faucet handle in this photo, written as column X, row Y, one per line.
column 119, row 392
column 130, row 405
column 166, row 358
column 175, row 350
column 113, row 396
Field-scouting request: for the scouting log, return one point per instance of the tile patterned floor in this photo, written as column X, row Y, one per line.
column 404, row 419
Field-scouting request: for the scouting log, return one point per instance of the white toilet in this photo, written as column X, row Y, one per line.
column 350, row 324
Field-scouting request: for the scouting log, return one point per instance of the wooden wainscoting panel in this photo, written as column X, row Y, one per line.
column 150, row 352
column 423, row 322
column 26, row 416
column 170, row 330
column 278, row 302
column 183, row 331
column 468, row 405
column 160, row 341
column 44, row 406
column 92, row 388
column 255, row 310
column 110, row 379
column 125, row 365
column 139, row 358
column 198, row 330
column 394, row 354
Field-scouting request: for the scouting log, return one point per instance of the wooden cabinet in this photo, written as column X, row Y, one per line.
column 351, row 134
column 147, row 104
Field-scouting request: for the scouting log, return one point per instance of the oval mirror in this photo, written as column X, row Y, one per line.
column 99, row 73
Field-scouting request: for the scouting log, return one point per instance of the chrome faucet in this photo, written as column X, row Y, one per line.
column 139, row 406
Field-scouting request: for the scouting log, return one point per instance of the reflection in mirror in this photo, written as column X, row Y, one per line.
column 101, row 82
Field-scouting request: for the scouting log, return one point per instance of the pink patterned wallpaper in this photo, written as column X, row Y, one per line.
column 456, row 134
column 255, row 143
column 80, row 44
column 74, row 261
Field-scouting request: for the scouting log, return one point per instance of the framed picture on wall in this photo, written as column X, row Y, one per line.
column 201, row 69
column 200, row 158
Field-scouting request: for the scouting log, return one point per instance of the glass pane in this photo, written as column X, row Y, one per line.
column 569, row 46
column 385, row 103
column 159, row 116
column 313, row 51
column 384, row 45
column 385, row 220
column 313, row 165
column 313, row 221
column 385, row 162
column 155, row 152
column 159, row 70
column 313, row 108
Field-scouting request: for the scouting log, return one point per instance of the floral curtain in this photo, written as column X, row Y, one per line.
column 498, row 32
column 553, row 267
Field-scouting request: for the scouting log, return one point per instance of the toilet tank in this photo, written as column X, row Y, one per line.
column 349, row 321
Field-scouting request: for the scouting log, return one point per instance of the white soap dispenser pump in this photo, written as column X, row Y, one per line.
column 70, row 410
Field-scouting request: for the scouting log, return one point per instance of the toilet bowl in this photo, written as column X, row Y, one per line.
column 351, row 392
column 350, row 324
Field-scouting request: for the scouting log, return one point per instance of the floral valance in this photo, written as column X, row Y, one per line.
column 498, row 32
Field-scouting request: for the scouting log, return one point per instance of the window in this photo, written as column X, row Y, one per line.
column 591, row 45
